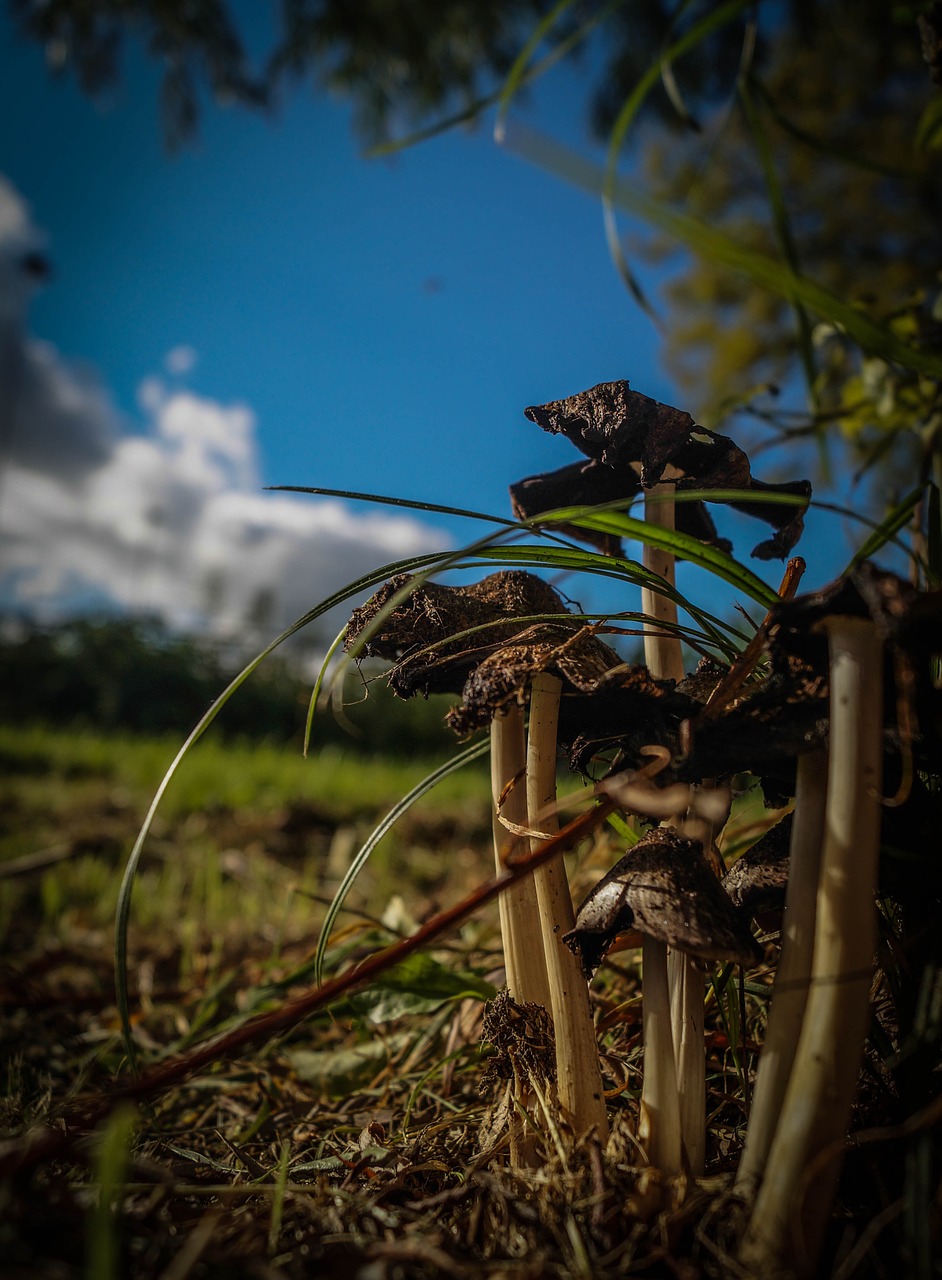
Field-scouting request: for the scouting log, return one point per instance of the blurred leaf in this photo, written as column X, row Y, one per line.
column 720, row 249
column 419, row 985
column 929, row 129
column 338, row 1072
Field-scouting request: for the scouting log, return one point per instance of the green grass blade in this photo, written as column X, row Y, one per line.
column 934, row 536
column 335, row 644
column 477, row 108
column 278, row 1197
column 887, row 530
column 517, row 74
column 111, row 1162
column 720, row 563
column 473, row 752
column 410, row 503
column 721, row 249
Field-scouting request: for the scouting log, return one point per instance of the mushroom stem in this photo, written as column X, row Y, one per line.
column 662, row 653
column 659, row 1129
column 683, row 980
column 578, row 1074
column 793, row 974
column 795, row 1197
column 519, row 915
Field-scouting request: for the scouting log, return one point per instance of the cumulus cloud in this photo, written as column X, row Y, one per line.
column 171, row 520
column 53, row 418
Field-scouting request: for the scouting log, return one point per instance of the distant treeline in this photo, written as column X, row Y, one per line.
column 132, row 674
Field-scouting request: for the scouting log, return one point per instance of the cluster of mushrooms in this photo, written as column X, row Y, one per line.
column 813, row 725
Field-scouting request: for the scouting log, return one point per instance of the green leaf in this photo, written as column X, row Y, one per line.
column 339, row 1072
column 929, row 129
column 419, row 985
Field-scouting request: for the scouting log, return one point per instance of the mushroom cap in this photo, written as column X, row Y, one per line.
column 643, row 442
column 433, row 614
column 757, row 880
column 663, row 888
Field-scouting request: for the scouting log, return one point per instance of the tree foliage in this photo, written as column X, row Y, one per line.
column 134, row 675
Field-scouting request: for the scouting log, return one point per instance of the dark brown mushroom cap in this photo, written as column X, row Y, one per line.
column 643, row 442
column 574, row 654
column 663, row 888
column 489, row 667
column 757, row 880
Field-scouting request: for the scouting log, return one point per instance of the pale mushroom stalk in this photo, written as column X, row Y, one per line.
column 793, row 974
column 520, row 926
column 681, row 978
column 578, row 1074
column 796, row 1193
column 519, row 913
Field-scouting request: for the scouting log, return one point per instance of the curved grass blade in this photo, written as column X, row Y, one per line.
column 477, row 108
column 516, row 76
column 412, row 504
column 886, row 531
column 679, row 544
column 318, row 685
column 123, row 910
column 626, row 118
column 721, row 249
column 612, row 567
column 474, row 752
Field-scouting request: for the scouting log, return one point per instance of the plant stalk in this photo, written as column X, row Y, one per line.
column 794, row 1200
column 681, row 979
column 793, row 974
column 519, row 913
column 578, row 1073
column 524, row 959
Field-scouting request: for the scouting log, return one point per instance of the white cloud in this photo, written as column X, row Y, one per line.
column 180, row 360
column 173, row 520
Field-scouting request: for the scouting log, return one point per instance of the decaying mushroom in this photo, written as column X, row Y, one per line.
column 635, row 443
column 482, row 641
column 663, row 889
column 757, row 881
column 852, row 617
column 787, row 875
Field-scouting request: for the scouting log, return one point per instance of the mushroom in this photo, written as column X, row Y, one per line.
column 663, row 889
column 634, row 443
column 475, row 640
column 791, row 874
column 797, row 1188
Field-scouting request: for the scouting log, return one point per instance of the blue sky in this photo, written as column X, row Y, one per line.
column 268, row 307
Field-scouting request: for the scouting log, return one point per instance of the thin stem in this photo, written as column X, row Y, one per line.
column 682, row 981
column 793, row 974
column 795, row 1197
column 659, row 1129
column 578, row 1074
column 519, row 914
